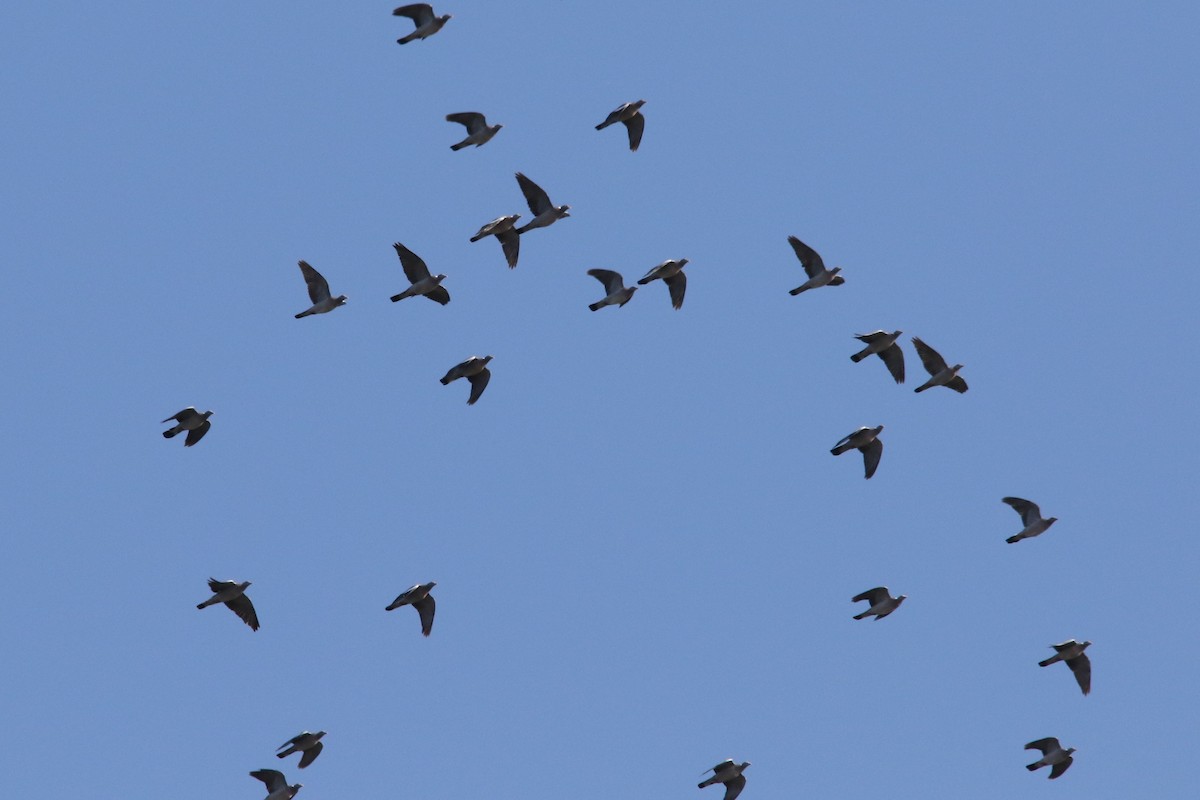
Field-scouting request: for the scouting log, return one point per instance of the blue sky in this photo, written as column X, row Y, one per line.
column 644, row 551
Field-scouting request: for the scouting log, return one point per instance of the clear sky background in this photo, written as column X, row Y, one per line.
column 644, row 551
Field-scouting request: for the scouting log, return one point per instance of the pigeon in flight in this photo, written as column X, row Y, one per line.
column 814, row 267
column 419, row 598
column 630, row 115
column 544, row 212
column 882, row 344
column 1031, row 518
column 423, row 17
column 1052, row 755
column 307, row 743
column 935, row 365
column 880, row 601
column 866, row 441
column 194, row 422
column 418, row 275
column 614, row 287
column 502, row 229
column 318, row 292
column 729, row 774
column 475, row 370
column 277, row 785
column 233, row 595
column 673, row 276
column 479, row 132
column 1071, row 652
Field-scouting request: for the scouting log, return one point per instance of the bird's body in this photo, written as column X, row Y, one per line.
column 418, row 597
column 616, row 292
column 194, row 422
column 730, row 774
column 1071, row 652
column 1053, row 755
column 277, row 785
column 866, row 441
column 671, row 273
column 475, row 370
column 939, row 373
column 307, row 743
column 427, row 23
column 479, row 132
column 1031, row 518
column 880, row 602
column 233, row 595
column 423, row 283
column 503, row 229
column 318, row 292
column 630, row 115
column 814, row 268
column 882, row 344
column 544, row 212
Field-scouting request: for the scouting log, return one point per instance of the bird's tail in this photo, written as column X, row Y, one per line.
column 396, row 298
column 837, row 451
column 798, row 290
column 1011, row 539
column 1048, row 661
column 170, row 433
column 445, row 381
column 1033, row 766
column 644, row 281
column 303, row 314
column 456, row 148
column 202, row 605
column 857, row 357
column 863, row 615
column 602, row 126
column 478, row 236
column 406, row 39
column 708, row 782
column 283, row 755
column 596, row 306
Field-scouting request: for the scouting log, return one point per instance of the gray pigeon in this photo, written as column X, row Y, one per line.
column 1071, row 652
column 194, row 422
column 277, row 785
column 233, row 595
column 631, row 116
column 1031, row 518
column 814, row 268
column 866, row 441
column 935, row 365
column 1053, row 755
column 880, row 602
column 729, row 774
column 318, row 292
column 423, row 17
column 614, row 287
column 418, row 275
column 307, row 743
column 419, row 598
column 502, row 229
column 475, row 370
column 673, row 276
column 479, row 132
column 544, row 212
column 882, row 344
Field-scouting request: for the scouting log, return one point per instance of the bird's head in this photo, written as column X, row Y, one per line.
column 639, row 104
column 206, row 414
column 878, row 429
column 682, row 262
column 901, row 599
column 245, row 584
column 563, row 211
column 835, row 270
column 1069, row 750
column 318, row 734
column 1050, row 522
column 1084, row 645
column 744, row 765
column 497, row 126
column 340, row 300
column 486, row 359
column 446, row 18
column 439, row 278
column 431, row 584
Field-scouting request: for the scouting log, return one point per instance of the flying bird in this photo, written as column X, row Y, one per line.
column 318, row 292
column 1053, row 755
column 729, row 774
column 880, row 602
column 935, row 365
column 502, row 229
column 419, row 598
column 544, row 212
column 614, row 286
column 479, row 132
column 423, row 17
column 866, row 441
column 277, row 785
column 194, row 422
column 882, row 344
column 475, row 370
column 1031, row 518
column 418, row 275
column 307, row 743
column 630, row 115
column 814, row 267
column 233, row 595
column 673, row 276
column 1071, row 652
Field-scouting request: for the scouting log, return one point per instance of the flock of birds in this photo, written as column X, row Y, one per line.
column 885, row 345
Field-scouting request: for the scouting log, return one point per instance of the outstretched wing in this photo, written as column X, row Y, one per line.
column 479, row 382
column 812, row 263
column 613, row 282
column 196, row 434
column 425, row 607
column 1061, row 767
column 318, row 287
column 1045, row 745
column 414, row 268
column 636, row 124
column 510, row 242
column 1081, row 665
column 930, row 358
column 894, row 358
column 273, row 778
column 872, row 452
column 310, row 755
column 677, row 284
column 419, row 13
column 242, row 606
column 734, row 786
column 872, row 596
column 473, row 120
column 535, row 196
column 1029, row 511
